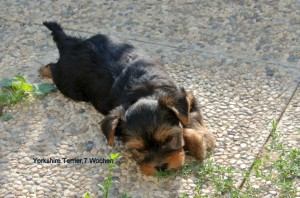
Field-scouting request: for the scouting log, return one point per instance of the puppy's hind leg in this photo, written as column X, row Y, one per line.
column 45, row 71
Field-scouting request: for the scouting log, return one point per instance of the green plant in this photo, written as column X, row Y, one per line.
column 6, row 117
column 288, row 167
column 221, row 177
column 163, row 174
column 282, row 168
column 125, row 196
column 16, row 89
column 183, row 196
column 108, row 179
column 87, row 195
column 275, row 137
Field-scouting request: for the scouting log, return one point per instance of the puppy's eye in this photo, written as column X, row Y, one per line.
column 140, row 150
column 168, row 139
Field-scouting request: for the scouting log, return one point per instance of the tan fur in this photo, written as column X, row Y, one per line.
column 148, row 168
column 45, row 71
column 165, row 131
column 182, row 118
column 198, row 141
column 169, row 102
column 176, row 160
column 134, row 144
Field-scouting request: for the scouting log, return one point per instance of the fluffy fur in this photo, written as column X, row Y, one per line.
column 157, row 120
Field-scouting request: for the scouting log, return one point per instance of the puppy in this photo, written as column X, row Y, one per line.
column 157, row 120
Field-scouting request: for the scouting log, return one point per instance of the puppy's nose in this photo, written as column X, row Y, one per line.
column 161, row 167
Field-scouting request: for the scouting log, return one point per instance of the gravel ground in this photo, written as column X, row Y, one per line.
column 241, row 59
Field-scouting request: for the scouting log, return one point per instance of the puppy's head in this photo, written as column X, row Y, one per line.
column 152, row 130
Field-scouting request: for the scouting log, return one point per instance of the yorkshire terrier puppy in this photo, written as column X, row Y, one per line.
column 157, row 120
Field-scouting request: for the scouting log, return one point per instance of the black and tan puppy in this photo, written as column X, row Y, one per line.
column 157, row 120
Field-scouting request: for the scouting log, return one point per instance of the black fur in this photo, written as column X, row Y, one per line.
column 136, row 93
column 105, row 73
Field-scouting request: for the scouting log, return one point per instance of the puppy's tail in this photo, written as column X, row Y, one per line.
column 58, row 33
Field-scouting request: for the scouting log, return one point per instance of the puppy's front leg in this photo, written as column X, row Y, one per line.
column 198, row 141
column 45, row 71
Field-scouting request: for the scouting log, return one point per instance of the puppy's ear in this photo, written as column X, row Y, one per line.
column 109, row 125
column 180, row 103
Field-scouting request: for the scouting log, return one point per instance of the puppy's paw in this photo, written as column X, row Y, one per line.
column 198, row 142
column 45, row 71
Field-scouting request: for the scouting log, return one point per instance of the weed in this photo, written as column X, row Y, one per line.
column 163, row 174
column 17, row 89
column 125, row 196
column 183, row 196
column 275, row 138
column 287, row 164
column 108, row 179
column 222, row 176
column 6, row 117
column 288, row 167
column 87, row 195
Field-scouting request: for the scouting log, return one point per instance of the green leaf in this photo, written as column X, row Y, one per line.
column 45, row 88
column 162, row 174
column 27, row 87
column 6, row 117
column 4, row 98
column 114, row 156
column 16, row 85
column 125, row 196
column 102, row 188
column 19, row 78
column 87, row 195
column 5, row 83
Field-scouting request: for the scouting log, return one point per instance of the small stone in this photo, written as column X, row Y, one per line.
column 268, row 196
column 237, row 156
column 193, row 185
column 221, row 139
column 50, row 182
column 243, row 166
column 29, row 177
column 269, row 71
column 68, row 193
column 243, row 145
column 18, row 182
column 81, row 111
column 246, row 110
column 94, row 151
column 235, row 148
column 89, row 145
column 273, row 192
column 233, row 161
column 255, row 186
column 189, row 76
column 39, row 188
column 292, row 58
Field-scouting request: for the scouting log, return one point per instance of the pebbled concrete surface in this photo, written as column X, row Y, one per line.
column 240, row 58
